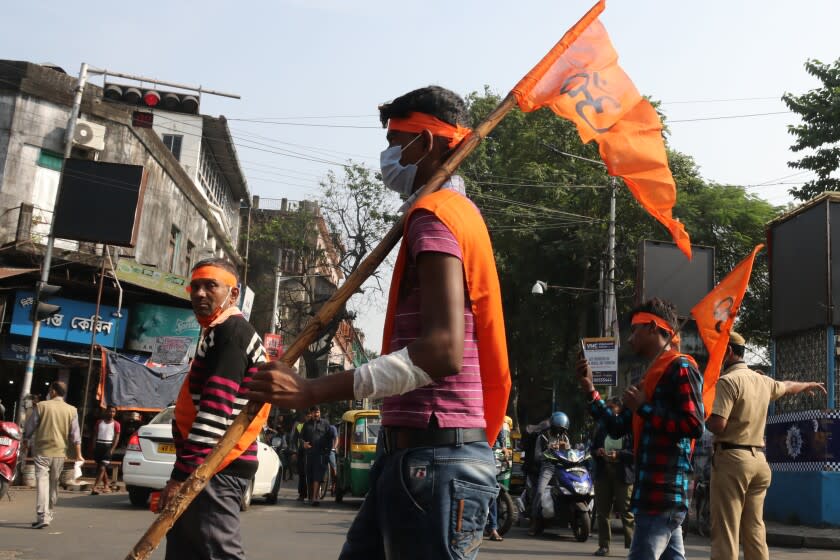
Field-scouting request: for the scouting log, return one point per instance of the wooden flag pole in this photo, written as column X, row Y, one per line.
column 201, row 476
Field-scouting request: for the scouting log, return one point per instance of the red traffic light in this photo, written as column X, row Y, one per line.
column 151, row 98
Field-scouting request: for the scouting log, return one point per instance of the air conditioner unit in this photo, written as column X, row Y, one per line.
column 89, row 135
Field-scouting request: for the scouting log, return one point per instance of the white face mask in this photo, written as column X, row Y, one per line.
column 397, row 177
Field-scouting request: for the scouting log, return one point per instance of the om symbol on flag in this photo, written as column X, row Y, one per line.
column 578, row 84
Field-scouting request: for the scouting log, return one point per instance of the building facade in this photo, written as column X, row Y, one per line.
column 290, row 241
column 189, row 210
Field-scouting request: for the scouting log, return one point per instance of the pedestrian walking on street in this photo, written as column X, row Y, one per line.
column 211, row 397
column 664, row 414
column 300, row 454
column 434, row 475
column 613, row 482
column 107, row 432
column 501, row 445
column 52, row 428
column 331, row 459
column 740, row 474
column 317, row 437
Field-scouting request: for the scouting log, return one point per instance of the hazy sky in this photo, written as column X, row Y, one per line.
column 314, row 71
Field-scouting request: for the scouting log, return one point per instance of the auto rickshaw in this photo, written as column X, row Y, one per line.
column 355, row 452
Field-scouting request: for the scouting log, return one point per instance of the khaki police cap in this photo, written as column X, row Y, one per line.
column 736, row 339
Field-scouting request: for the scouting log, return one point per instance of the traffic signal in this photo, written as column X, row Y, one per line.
column 41, row 310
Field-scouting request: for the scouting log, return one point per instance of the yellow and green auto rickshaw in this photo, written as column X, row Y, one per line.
column 355, row 452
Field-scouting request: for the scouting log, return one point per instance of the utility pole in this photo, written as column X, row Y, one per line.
column 94, row 329
column 278, row 277
column 609, row 304
column 45, row 267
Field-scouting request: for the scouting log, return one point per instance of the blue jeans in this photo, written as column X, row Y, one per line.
column 658, row 536
column 493, row 519
column 425, row 502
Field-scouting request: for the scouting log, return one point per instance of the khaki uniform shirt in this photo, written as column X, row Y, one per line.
column 742, row 396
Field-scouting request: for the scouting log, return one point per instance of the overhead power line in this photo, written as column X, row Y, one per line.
column 723, row 117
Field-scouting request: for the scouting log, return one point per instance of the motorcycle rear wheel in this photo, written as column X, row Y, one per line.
column 507, row 513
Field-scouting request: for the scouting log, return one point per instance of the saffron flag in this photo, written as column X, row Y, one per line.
column 580, row 80
column 715, row 315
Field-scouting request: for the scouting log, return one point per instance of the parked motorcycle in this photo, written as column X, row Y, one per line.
column 569, row 499
column 10, row 438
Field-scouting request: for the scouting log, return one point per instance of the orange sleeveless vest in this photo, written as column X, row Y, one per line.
column 185, row 414
column 469, row 229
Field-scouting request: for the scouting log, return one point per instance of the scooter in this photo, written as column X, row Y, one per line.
column 10, row 437
column 569, row 499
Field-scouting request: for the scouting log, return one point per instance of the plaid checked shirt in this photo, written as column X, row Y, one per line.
column 672, row 418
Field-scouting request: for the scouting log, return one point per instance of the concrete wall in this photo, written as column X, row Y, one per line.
column 804, row 497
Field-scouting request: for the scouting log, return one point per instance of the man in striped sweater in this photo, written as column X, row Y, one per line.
column 210, row 399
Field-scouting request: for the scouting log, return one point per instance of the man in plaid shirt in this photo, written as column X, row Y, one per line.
column 664, row 413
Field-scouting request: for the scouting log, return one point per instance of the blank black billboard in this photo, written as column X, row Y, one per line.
column 799, row 271
column 666, row 273
column 100, row 202
column 834, row 273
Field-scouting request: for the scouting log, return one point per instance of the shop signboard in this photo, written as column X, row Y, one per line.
column 273, row 345
column 129, row 270
column 149, row 322
column 171, row 350
column 73, row 323
column 246, row 302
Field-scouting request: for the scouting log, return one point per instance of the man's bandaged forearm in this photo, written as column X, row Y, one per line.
column 392, row 374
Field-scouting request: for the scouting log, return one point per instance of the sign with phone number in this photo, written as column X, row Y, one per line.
column 602, row 354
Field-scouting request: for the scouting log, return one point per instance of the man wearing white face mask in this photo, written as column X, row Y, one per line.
column 443, row 376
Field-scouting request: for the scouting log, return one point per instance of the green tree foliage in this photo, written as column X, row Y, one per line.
column 547, row 214
column 819, row 132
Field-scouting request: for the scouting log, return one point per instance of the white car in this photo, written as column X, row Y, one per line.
column 150, row 455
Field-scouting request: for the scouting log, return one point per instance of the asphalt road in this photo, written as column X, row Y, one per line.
column 105, row 527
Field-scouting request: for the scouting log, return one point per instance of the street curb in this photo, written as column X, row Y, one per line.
column 830, row 543
column 788, row 540
column 785, row 540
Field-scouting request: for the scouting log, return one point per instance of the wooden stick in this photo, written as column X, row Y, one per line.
column 201, row 476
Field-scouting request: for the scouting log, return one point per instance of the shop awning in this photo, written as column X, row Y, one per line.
column 149, row 277
column 6, row 272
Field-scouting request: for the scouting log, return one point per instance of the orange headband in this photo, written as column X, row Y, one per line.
column 643, row 318
column 418, row 122
column 210, row 272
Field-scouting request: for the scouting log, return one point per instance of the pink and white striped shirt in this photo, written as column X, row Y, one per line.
column 456, row 401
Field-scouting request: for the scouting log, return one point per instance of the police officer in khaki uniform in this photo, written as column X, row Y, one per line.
column 740, row 474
